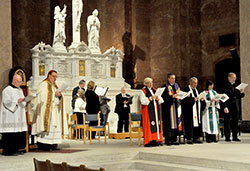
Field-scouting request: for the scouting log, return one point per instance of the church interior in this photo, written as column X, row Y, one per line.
column 202, row 38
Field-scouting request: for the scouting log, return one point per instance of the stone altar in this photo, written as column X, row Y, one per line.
column 78, row 62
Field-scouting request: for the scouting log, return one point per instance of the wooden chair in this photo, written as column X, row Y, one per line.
column 41, row 165
column 77, row 126
column 58, row 166
column 135, row 126
column 90, row 129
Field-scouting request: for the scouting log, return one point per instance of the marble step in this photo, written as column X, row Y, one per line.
column 160, row 166
column 191, row 161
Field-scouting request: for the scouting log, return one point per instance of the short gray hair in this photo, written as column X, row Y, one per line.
column 192, row 79
column 147, row 80
column 82, row 81
column 230, row 74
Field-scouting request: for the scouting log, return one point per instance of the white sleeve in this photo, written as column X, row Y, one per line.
column 160, row 100
column 144, row 100
column 8, row 101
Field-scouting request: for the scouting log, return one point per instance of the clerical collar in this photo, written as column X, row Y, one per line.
column 13, row 86
column 124, row 95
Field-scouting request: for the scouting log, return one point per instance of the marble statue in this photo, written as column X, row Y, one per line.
column 59, row 30
column 78, row 12
column 93, row 27
column 77, row 8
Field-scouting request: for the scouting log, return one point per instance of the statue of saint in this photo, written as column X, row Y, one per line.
column 78, row 7
column 93, row 27
column 59, row 31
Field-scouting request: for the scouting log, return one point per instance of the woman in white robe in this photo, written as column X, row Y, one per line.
column 210, row 115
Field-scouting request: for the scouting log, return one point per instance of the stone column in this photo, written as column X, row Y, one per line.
column 245, row 55
column 6, row 44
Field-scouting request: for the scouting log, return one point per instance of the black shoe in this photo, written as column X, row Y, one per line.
column 236, row 139
column 198, row 142
column 227, row 140
column 168, row 143
column 147, row 145
column 20, row 152
column 154, row 144
column 9, row 154
column 189, row 142
column 176, row 143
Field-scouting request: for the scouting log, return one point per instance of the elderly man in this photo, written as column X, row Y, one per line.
column 122, row 108
column 49, row 120
column 75, row 91
column 191, row 110
column 13, row 123
column 232, row 107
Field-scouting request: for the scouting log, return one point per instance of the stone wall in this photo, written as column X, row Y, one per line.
column 5, row 39
column 245, row 55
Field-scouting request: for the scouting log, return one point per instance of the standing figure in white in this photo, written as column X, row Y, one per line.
column 78, row 7
column 59, row 31
column 93, row 27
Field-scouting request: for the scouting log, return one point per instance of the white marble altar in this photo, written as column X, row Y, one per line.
column 79, row 62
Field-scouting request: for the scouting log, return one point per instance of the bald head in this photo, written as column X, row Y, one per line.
column 17, row 80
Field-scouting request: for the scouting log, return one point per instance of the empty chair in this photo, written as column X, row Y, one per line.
column 90, row 129
column 135, row 128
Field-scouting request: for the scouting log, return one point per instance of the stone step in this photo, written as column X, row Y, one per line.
column 191, row 161
column 159, row 166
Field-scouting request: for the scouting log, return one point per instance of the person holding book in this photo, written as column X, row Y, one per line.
column 232, row 108
column 122, row 108
column 210, row 115
column 151, row 114
column 13, row 125
column 171, row 116
column 191, row 110
column 93, row 103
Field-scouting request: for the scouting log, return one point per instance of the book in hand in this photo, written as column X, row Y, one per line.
column 221, row 97
column 242, row 86
column 159, row 91
column 202, row 95
column 129, row 98
column 101, row 91
column 182, row 94
column 62, row 87
column 30, row 97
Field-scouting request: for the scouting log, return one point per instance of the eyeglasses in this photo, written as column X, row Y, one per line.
column 54, row 76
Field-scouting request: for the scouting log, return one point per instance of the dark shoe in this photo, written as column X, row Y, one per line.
column 20, row 152
column 198, row 142
column 176, row 143
column 9, row 154
column 147, row 145
column 236, row 139
column 227, row 140
column 154, row 144
column 189, row 142
column 168, row 143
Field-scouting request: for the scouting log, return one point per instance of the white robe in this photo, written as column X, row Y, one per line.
column 205, row 117
column 13, row 114
column 56, row 122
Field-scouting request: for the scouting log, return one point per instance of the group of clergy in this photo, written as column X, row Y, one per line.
column 192, row 116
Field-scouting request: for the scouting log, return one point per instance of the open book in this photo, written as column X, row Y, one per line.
column 30, row 97
column 101, row 91
column 62, row 87
column 202, row 95
column 242, row 86
column 129, row 98
column 221, row 97
column 159, row 91
column 182, row 94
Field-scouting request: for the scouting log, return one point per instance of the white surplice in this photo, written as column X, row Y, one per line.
column 13, row 114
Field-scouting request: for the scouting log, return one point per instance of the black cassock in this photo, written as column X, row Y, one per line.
column 169, row 133
column 187, row 112
column 233, row 104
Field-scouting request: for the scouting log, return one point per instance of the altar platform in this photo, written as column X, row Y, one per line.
column 118, row 155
